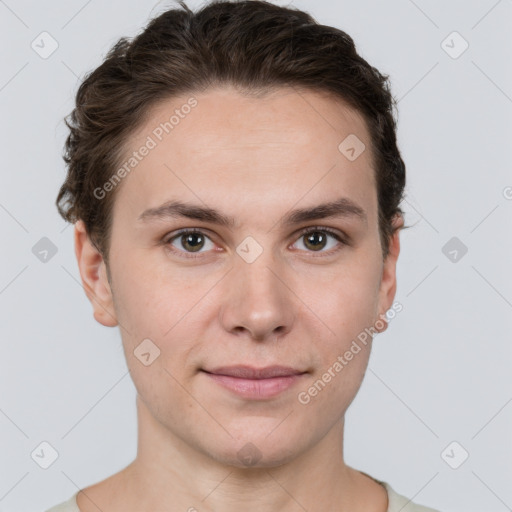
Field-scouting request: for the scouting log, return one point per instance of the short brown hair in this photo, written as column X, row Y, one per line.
column 253, row 45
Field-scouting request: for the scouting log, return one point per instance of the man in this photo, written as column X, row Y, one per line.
column 235, row 182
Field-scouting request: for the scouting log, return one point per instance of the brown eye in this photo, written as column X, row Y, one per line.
column 189, row 242
column 192, row 241
column 317, row 239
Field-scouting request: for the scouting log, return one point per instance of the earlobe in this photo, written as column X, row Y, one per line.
column 94, row 277
column 388, row 280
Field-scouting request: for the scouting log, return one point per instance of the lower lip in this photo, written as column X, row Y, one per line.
column 255, row 388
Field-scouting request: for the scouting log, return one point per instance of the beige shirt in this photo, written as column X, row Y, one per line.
column 397, row 503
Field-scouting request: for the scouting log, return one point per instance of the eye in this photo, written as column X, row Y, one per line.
column 191, row 241
column 315, row 239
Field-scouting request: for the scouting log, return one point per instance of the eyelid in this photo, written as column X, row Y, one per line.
column 169, row 237
column 331, row 231
column 338, row 235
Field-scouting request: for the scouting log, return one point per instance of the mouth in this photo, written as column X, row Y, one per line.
column 255, row 383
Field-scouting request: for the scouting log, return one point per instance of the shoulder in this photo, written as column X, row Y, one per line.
column 66, row 506
column 397, row 502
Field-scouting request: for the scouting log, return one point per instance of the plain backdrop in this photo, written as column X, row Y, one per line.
column 438, row 387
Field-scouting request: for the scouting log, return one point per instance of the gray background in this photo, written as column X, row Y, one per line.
column 440, row 373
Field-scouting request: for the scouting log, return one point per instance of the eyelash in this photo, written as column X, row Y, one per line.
column 314, row 229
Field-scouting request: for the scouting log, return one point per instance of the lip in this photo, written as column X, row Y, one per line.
column 255, row 383
column 250, row 372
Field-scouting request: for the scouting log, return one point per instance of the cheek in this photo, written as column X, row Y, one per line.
column 348, row 309
column 150, row 302
column 163, row 308
column 157, row 335
column 345, row 301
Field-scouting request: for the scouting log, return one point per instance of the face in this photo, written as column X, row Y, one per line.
column 263, row 277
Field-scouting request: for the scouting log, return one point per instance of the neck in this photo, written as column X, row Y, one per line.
column 185, row 478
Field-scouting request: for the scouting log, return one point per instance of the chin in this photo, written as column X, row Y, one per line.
column 257, row 450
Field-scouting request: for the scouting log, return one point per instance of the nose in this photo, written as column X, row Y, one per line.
column 258, row 302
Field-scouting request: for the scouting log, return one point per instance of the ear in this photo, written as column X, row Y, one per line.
column 94, row 277
column 387, row 289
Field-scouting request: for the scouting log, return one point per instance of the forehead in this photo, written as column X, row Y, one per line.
column 224, row 148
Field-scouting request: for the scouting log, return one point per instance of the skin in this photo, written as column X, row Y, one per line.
column 297, row 304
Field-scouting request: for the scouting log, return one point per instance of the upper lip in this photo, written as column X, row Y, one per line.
column 249, row 372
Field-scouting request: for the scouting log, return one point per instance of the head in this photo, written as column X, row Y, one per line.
column 246, row 117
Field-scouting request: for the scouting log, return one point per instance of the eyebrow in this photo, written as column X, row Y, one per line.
column 340, row 208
